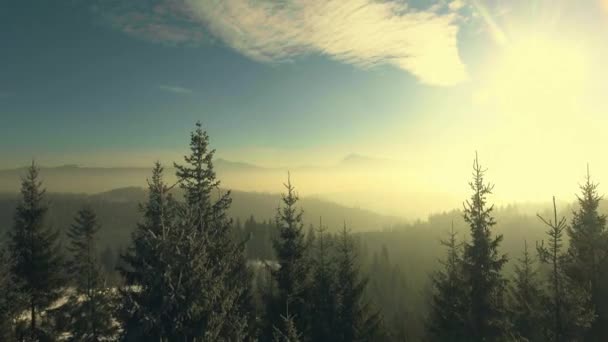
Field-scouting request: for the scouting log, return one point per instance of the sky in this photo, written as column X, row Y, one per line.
column 297, row 83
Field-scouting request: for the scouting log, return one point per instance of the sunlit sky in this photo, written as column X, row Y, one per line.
column 307, row 82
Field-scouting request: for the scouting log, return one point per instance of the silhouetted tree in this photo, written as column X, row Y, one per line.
column 35, row 251
column 526, row 300
column 322, row 298
column 588, row 254
column 152, row 297
column 449, row 306
column 355, row 319
column 293, row 274
column 225, row 286
column 569, row 312
column 91, row 305
column 483, row 264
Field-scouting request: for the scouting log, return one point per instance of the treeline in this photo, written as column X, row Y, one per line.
column 557, row 295
column 184, row 276
column 189, row 273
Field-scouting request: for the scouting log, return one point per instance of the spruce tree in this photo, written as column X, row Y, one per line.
column 483, row 264
column 356, row 320
column 448, row 318
column 526, row 299
column 569, row 312
column 150, row 307
column 90, row 306
column 36, row 253
column 293, row 274
column 588, row 254
column 224, row 278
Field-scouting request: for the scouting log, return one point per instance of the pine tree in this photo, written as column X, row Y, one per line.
column 150, row 307
column 90, row 306
column 526, row 299
column 588, row 254
column 34, row 248
column 11, row 301
column 569, row 312
column 293, row 274
column 226, row 285
column 322, row 299
column 356, row 320
column 449, row 306
column 483, row 264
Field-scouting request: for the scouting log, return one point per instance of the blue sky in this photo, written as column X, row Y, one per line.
column 75, row 82
column 115, row 82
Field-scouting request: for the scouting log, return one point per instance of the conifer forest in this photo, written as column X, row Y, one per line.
column 303, row 171
column 189, row 272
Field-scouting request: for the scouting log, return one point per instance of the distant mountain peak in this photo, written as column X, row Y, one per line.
column 355, row 158
column 224, row 163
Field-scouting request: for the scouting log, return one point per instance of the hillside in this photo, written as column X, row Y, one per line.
column 118, row 211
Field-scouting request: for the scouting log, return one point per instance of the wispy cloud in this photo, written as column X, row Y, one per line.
column 175, row 89
column 364, row 33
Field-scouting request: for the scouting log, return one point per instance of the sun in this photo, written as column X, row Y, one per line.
column 535, row 75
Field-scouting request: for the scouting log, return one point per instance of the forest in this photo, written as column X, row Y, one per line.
column 183, row 266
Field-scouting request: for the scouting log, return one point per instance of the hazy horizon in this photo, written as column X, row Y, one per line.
column 389, row 195
column 417, row 87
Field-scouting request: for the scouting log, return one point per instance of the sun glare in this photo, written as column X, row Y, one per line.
column 535, row 74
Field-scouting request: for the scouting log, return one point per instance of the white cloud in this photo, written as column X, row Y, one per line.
column 364, row 33
column 456, row 5
column 175, row 89
column 361, row 32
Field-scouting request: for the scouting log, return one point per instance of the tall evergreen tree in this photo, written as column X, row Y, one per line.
column 150, row 307
column 526, row 300
column 569, row 312
column 293, row 274
column 356, row 320
column 588, row 254
column 36, row 252
column 483, row 264
column 90, row 307
column 449, row 306
column 225, row 287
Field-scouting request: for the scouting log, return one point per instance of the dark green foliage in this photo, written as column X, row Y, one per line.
column 526, row 300
column 568, row 309
column 11, row 301
column 322, row 301
column 90, row 306
column 483, row 264
column 259, row 236
column 389, row 290
column 186, row 278
column 158, row 271
column 588, row 254
column 287, row 332
column 293, row 274
column 36, row 253
column 449, row 306
column 355, row 319
column 226, row 283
